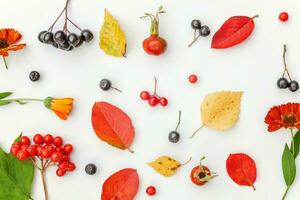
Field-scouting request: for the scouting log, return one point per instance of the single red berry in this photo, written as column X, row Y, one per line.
column 39, row 149
column 14, row 150
column 71, row 166
column 151, row 190
column 63, row 166
column 68, row 148
column 153, row 101
column 32, row 151
column 17, row 144
column 50, row 148
column 58, row 141
column 45, row 153
column 60, row 172
column 145, row 95
column 48, row 139
column 65, row 158
column 24, row 147
column 193, row 78
column 284, row 16
column 56, row 157
column 38, row 139
column 22, row 155
column 163, row 101
column 25, row 140
column 59, row 149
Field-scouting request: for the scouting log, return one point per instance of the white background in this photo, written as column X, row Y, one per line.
column 252, row 67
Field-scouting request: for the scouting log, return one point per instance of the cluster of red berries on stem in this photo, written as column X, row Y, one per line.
column 154, row 99
column 43, row 152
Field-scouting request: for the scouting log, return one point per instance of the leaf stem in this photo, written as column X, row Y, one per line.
column 197, row 131
column 189, row 160
column 24, row 100
column 285, row 193
column 5, row 63
column 293, row 142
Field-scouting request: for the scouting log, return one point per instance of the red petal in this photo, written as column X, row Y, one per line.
column 112, row 125
column 122, row 185
column 234, row 31
column 242, row 169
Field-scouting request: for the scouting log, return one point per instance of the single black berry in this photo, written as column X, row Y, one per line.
column 91, row 169
column 60, row 37
column 54, row 44
column 282, row 83
column 87, row 35
column 294, row 86
column 73, row 39
column 105, row 84
column 204, row 31
column 196, row 24
column 48, row 38
column 174, row 137
column 41, row 36
column 34, row 76
column 64, row 46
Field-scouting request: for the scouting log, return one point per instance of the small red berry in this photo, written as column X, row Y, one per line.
column 17, row 144
column 56, row 157
column 71, row 166
column 24, row 147
column 153, row 101
column 284, row 16
column 193, row 78
column 145, row 95
column 60, row 172
column 65, row 158
column 14, row 150
column 58, row 141
column 163, row 101
column 68, row 148
column 50, row 148
column 32, row 151
column 22, row 155
column 151, row 190
column 38, row 139
column 59, row 149
column 64, row 166
column 39, row 149
column 24, row 140
column 45, row 153
column 48, row 139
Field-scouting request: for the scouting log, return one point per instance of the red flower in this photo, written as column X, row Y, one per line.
column 286, row 115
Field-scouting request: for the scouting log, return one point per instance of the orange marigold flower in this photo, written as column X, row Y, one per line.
column 61, row 107
column 286, row 115
column 8, row 40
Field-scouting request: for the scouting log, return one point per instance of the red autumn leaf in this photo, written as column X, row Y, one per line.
column 234, row 31
column 122, row 185
column 112, row 125
column 242, row 169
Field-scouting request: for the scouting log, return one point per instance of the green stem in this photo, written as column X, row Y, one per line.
column 285, row 193
column 293, row 142
column 5, row 63
column 23, row 100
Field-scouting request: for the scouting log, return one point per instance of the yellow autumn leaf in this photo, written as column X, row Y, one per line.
column 112, row 38
column 220, row 110
column 166, row 165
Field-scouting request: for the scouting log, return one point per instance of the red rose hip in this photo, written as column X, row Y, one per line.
column 151, row 190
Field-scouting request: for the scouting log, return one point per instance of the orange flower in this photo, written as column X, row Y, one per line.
column 61, row 107
column 286, row 115
column 8, row 40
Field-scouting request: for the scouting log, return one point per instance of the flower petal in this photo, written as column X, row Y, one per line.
column 16, row 47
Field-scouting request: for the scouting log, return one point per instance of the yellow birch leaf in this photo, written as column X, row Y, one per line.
column 166, row 165
column 220, row 110
column 112, row 38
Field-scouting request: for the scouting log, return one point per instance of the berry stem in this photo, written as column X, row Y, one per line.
column 44, row 183
column 195, row 39
column 155, row 85
column 179, row 120
column 62, row 12
column 5, row 62
column 197, row 131
column 66, row 17
column 117, row 89
column 284, row 62
column 74, row 24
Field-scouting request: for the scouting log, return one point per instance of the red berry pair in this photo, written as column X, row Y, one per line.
column 154, row 99
column 50, row 151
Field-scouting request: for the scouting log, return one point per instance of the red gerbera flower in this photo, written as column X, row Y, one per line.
column 8, row 40
column 286, row 115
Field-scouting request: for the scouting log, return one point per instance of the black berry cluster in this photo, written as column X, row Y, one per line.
column 199, row 30
column 284, row 83
column 64, row 39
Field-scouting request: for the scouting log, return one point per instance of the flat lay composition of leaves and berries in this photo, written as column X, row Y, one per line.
column 147, row 100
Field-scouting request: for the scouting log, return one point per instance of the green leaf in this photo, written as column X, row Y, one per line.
column 4, row 102
column 288, row 166
column 296, row 144
column 5, row 94
column 16, row 177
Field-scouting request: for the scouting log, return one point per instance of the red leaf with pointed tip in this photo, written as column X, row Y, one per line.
column 112, row 125
column 122, row 185
column 242, row 169
column 234, row 31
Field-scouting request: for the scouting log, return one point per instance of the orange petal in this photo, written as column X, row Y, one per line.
column 64, row 101
column 3, row 53
column 16, row 47
column 61, row 108
column 12, row 36
column 61, row 115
